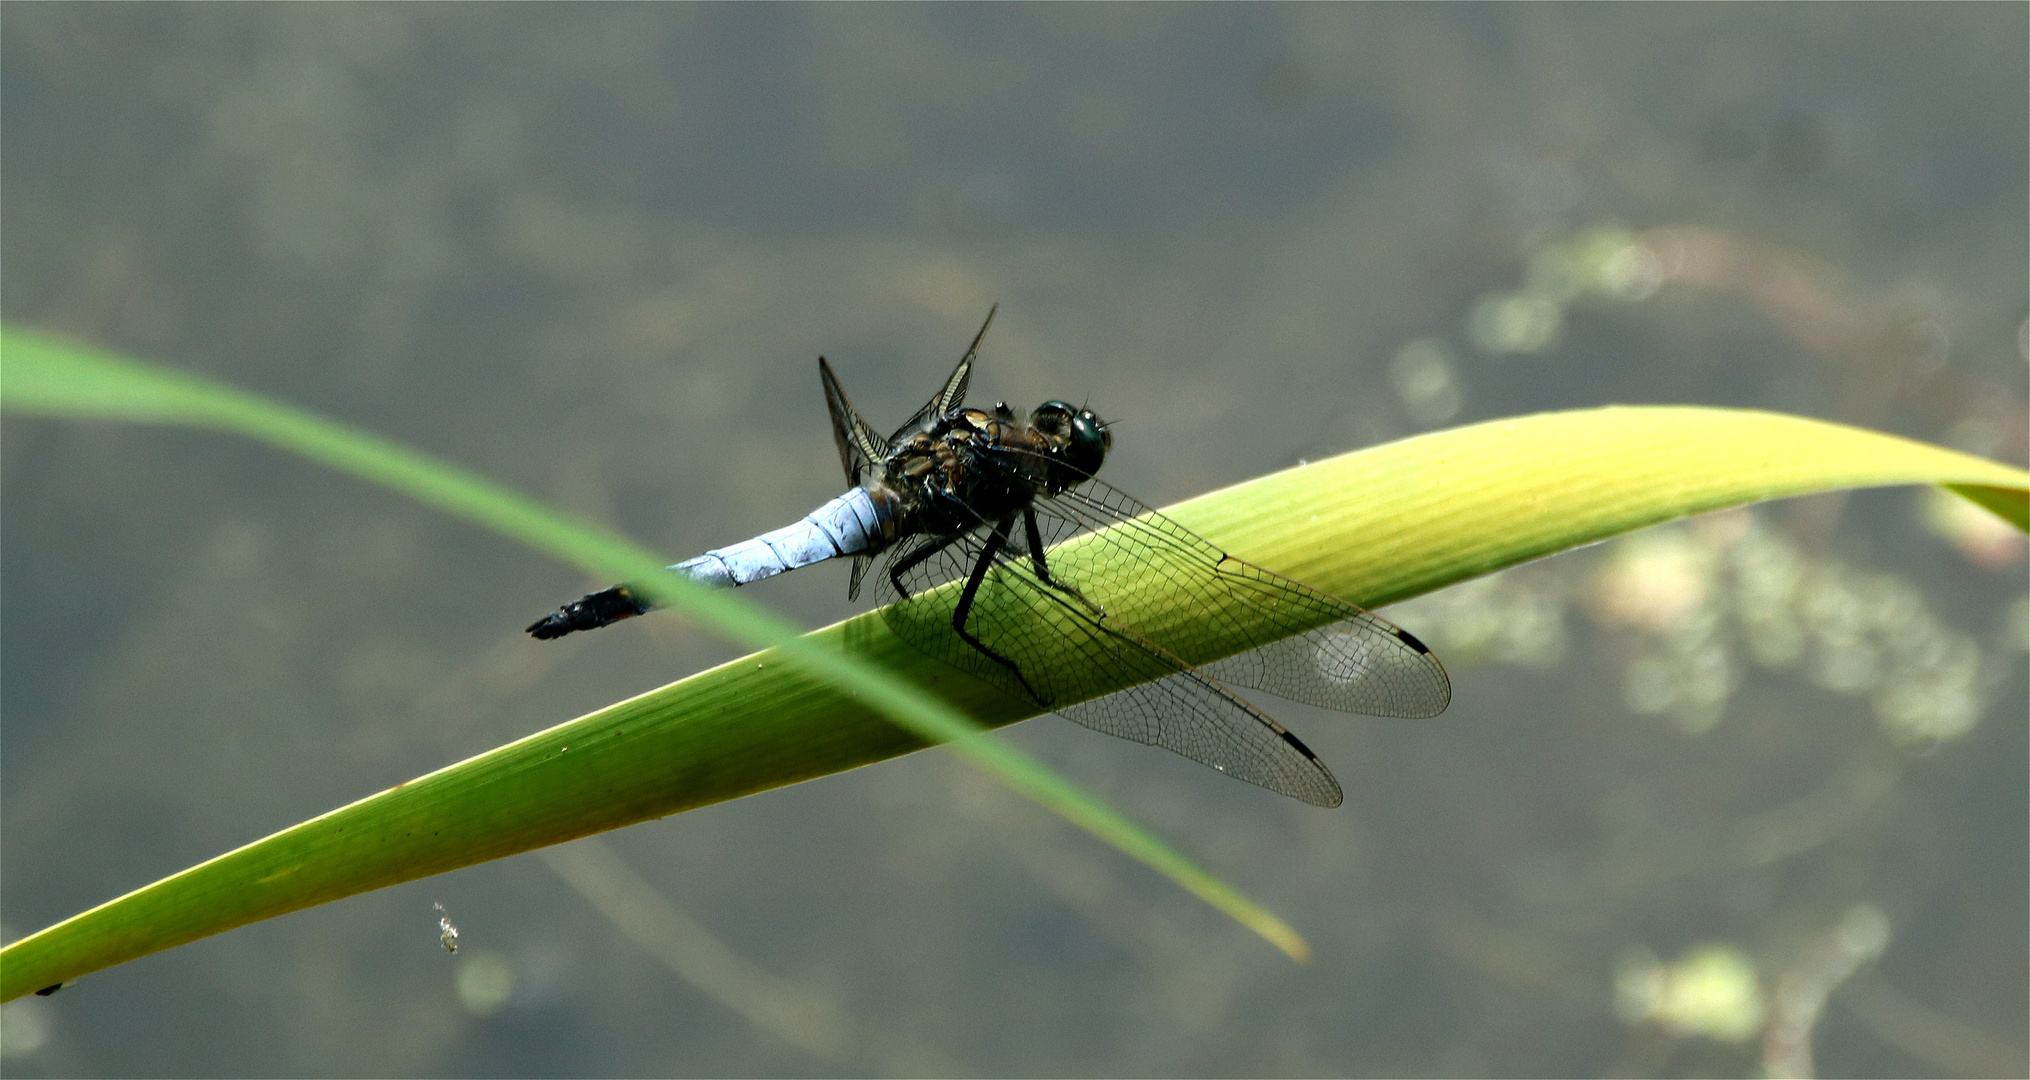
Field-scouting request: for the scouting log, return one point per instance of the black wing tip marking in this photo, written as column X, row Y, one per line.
column 1410, row 639
column 1329, row 802
column 1291, row 738
column 1444, row 697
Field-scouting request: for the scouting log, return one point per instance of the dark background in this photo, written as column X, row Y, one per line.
column 593, row 251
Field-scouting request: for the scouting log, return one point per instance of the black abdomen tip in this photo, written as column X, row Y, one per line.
column 588, row 612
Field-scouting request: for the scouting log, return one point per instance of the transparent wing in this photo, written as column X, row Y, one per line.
column 860, row 565
column 1018, row 615
column 1195, row 716
column 1296, row 642
column 860, row 449
column 953, row 393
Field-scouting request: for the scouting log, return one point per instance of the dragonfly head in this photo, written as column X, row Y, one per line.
column 1082, row 437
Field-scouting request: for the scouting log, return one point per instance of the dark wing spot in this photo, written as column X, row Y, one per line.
column 1410, row 639
column 1296, row 742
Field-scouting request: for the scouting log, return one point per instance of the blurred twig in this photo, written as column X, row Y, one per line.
column 1952, row 1046
column 811, row 1021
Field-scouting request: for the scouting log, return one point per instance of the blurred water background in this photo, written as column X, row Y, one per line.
column 1740, row 795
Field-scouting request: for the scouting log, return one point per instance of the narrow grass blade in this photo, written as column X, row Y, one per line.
column 520, row 797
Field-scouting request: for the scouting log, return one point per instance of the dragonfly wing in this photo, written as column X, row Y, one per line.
column 953, row 393
column 1296, row 642
column 860, row 564
column 1364, row 664
column 1024, row 620
column 1189, row 713
column 859, row 447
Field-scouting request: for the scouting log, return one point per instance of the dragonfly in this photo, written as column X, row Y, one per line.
column 1007, row 558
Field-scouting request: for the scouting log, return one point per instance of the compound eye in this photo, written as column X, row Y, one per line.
column 1091, row 420
column 1085, row 435
column 1052, row 418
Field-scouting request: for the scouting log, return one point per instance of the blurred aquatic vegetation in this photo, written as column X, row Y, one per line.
column 1424, row 374
column 1801, row 990
column 1712, row 991
column 1603, row 261
column 1689, row 609
column 1718, row 991
column 1808, row 299
column 1685, row 616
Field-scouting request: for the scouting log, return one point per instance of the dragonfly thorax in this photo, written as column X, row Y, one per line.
column 973, row 466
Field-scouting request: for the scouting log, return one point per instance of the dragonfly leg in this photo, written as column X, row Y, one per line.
column 995, row 541
column 909, row 562
column 1035, row 537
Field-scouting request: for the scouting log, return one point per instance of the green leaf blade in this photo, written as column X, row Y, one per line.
column 1373, row 527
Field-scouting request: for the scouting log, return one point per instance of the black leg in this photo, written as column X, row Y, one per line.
column 1043, row 569
column 995, row 541
column 909, row 562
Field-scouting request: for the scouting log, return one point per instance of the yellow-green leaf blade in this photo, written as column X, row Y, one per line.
column 1398, row 520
